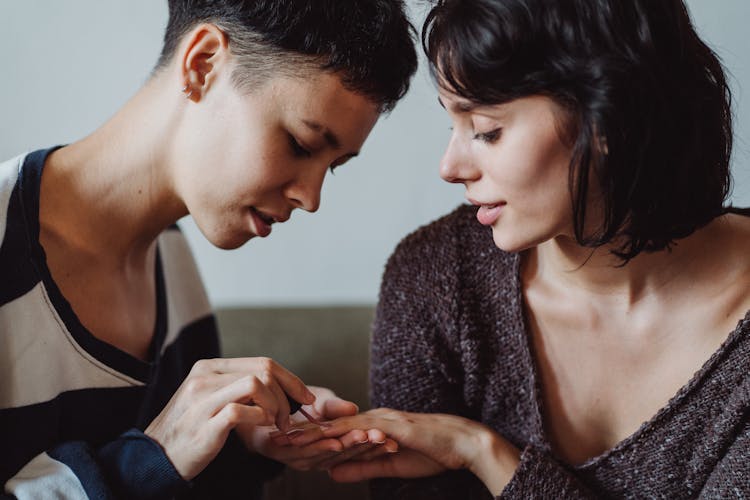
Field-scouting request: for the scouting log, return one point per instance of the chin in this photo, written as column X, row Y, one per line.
column 232, row 243
column 226, row 240
column 512, row 242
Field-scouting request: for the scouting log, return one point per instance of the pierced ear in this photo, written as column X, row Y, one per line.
column 204, row 54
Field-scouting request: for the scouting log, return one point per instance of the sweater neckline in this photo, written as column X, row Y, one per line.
column 30, row 175
column 672, row 405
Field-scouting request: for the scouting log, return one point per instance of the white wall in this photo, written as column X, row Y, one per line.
column 69, row 65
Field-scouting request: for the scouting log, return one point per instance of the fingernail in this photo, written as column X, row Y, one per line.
column 378, row 442
column 391, row 451
column 310, row 397
column 363, row 442
column 294, row 432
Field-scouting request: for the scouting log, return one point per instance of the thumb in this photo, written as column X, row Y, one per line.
column 336, row 407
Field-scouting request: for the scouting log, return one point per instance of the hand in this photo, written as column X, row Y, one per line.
column 304, row 447
column 430, row 443
column 217, row 396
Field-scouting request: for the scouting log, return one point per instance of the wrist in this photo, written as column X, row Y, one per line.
column 495, row 461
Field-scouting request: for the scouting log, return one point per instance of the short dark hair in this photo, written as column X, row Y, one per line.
column 648, row 106
column 369, row 43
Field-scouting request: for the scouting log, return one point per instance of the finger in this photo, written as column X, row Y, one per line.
column 307, row 436
column 289, row 382
column 243, row 390
column 281, row 438
column 336, row 407
column 195, row 387
column 342, row 425
column 346, row 455
column 234, row 414
column 353, row 438
column 376, row 436
column 390, row 446
column 282, row 415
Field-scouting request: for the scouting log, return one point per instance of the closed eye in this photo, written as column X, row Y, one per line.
column 297, row 149
column 341, row 161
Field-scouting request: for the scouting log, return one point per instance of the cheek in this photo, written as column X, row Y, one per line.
column 537, row 173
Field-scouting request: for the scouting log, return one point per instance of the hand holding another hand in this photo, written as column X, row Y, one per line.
column 217, row 396
column 304, row 446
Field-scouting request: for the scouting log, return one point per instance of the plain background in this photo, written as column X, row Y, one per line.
column 70, row 65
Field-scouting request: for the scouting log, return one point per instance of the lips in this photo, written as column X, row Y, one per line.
column 262, row 222
column 488, row 214
column 264, row 217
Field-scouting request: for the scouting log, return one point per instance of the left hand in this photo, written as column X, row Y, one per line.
column 430, row 444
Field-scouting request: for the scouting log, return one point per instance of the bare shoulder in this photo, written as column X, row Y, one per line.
column 737, row 229
column 732, row 257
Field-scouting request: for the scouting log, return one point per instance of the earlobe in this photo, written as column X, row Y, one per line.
column 204, row 54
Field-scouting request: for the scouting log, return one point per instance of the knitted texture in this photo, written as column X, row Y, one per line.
column 449, row 337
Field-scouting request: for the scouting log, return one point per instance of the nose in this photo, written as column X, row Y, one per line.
column 304, row 191
column 456, row 165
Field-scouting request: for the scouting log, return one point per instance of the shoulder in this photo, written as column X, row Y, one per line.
column 179, row 267
column 8, row 180
column 16, row 225
column 186, row 298
column 449, row 244
column 9, row 172
column 446, row 230
column 733, row 256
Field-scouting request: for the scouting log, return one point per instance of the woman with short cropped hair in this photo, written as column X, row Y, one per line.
column 107, row 386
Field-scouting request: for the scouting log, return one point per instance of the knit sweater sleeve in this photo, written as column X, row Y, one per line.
column 539, row 476
column 413, row 362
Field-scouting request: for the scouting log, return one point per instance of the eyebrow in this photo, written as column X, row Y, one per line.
column 460, row 107
column 329, row 136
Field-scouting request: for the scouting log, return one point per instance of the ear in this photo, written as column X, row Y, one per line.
column 205, row 53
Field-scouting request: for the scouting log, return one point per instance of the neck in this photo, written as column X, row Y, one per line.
column 601, row 276
column 111, row 194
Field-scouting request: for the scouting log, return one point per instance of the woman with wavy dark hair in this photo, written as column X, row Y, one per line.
column 578, row 331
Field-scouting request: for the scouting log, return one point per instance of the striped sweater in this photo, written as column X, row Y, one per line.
column 73, row 408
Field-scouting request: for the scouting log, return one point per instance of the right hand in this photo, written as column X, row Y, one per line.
column 218, row 395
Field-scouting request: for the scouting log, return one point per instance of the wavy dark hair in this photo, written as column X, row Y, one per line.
column 648, row 105
column 369, row 43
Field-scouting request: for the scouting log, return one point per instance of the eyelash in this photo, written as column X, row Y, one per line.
column 301, row 152
column 488, row 137
column 297, row 148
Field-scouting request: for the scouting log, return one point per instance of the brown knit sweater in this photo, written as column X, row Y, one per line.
column 450, row 337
